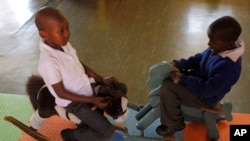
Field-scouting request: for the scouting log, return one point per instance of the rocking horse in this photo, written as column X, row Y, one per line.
column 44, row 104
column 42, row 99
column 151, row 111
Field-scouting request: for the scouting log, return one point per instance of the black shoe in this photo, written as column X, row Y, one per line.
column 163, row 130
column 67, row 135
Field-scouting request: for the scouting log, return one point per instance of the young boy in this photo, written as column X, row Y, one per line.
column 68, row 81
column 203, row 79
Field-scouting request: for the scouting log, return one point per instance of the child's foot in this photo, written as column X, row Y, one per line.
column 166, row 132
column 67, row 135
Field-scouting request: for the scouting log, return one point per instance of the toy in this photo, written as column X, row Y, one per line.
column 41, row 99
column 44, row 103
column 151, row 111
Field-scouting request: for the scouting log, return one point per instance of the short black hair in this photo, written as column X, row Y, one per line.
column 46, row 13
column 225, row 28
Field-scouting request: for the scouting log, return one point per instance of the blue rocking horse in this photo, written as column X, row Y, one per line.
column 151, row 111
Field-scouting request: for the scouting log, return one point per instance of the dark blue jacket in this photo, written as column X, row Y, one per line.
column 211, row 76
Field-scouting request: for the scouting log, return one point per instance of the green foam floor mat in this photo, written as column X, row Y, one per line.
column 17, row 106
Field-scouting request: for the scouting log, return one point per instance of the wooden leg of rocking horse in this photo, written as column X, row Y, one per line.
column 41, row 137
column 26, row 129
column 210, row 121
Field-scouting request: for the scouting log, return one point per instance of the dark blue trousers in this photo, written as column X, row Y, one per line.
column 171, row 97
column 97, row 128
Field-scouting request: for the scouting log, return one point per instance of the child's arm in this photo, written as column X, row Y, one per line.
column 191, row 62
column 98, row 78
column 92, row 73
column 64, row 94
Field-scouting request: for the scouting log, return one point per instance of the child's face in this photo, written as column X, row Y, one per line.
column 217, row 44
column 56, row 33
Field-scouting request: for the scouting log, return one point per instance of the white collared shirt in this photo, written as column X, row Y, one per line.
column 234, row 54
column 55, row 66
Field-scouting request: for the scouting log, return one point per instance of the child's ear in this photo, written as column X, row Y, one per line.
column 43, row 34
column 232, row 43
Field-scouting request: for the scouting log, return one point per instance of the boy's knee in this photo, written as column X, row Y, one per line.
column 105, row 133
column 167, row 83
column 109, row 132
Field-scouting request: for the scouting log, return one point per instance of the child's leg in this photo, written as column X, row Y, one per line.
column 172, row 96
column 98, row 127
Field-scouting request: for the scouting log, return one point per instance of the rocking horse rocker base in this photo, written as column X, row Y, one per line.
column 27, row 129
column 40, row 137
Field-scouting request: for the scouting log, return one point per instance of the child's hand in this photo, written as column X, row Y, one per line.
column 174, row 64
column 100, row 102
column 175, row 76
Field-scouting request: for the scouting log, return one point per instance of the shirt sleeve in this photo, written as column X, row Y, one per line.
column 192, row 62
column 50, row 71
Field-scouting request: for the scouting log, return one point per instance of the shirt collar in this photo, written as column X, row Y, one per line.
column 45, row 47
column 234, row 54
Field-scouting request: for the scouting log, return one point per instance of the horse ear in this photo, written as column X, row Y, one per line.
column 123, row 88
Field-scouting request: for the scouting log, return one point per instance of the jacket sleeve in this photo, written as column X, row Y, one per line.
column 191, row 62
column 217, row 83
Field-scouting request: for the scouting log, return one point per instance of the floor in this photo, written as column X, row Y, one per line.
column 122, row 38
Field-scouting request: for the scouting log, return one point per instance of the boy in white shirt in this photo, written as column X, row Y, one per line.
column 68, row 81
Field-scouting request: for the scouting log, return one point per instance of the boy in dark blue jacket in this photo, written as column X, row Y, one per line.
column 203, row 79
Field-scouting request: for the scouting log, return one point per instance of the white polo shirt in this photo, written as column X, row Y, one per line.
column 55, row 66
